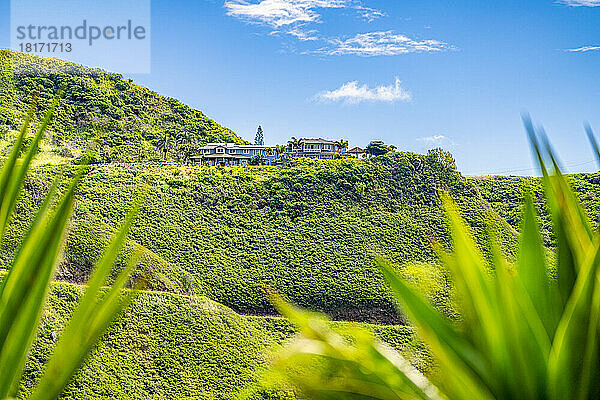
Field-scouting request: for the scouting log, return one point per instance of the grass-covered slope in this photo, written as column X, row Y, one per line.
column 176, row 347
column 505, row 195
column 126, row 120
column 307, row 229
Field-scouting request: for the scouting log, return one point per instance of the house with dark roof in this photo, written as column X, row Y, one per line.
column 233, row 154
column 322, row 149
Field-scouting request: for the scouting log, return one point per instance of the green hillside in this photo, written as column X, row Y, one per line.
column 308, row 229
column 505, row 195
column 176, row 347
column 118, row 119
column 215, row 237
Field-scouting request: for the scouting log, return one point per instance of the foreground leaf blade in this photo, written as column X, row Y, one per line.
column 365, row 368
column 470, row 367
column 92, row 316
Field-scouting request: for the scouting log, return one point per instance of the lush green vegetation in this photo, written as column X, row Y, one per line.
column 24, row 288
column 307, row 229
column 164, row 346
column 505, row 194
column 118, row 119
column 523, row 333
column 173, row 346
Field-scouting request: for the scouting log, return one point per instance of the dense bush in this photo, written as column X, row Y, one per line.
column 307, row 229
column 119, row 120
column 170, row 346
column 505, row 196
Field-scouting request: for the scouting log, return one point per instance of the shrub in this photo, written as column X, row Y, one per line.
column 24, row 288
column 521, row 334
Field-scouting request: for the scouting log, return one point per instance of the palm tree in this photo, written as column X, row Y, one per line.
column 186, row 137
column 296, row 143
column 165, row 144
column 341, row 144
column 279, row 149
column 186, row 152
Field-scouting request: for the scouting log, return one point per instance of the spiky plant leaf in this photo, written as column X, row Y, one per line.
column 91, row 316
column 365, row 368
column 24, row 288
column 521, row 335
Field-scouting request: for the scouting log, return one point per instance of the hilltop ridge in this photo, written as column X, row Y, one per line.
column 120, row 120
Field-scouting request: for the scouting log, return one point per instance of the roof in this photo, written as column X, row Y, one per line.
column 319, row 140
column 209, row 146
column 356, row 150
column 221, row 155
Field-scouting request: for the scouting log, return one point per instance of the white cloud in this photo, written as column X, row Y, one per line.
column 580, row 3
column 278, row 13
column 584, row 49
column 304, row 35
column 352, row 93
column 386, row 43
column 370, row 14
column 297, row 18
column 436, row 141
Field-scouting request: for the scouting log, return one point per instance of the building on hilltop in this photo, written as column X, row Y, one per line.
column 356, row 152
column 233, row 154
column 314, row 148
column 246, row 154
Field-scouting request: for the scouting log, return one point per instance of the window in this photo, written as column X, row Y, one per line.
column 220, row 150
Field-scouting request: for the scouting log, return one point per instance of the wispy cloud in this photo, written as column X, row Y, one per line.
column 436, row 141
column 304, row 35
column 370, row 14
column 584, row 49
column 580, row 3
column 353, row 93
column 386, row 43
column 298, row 18
column 278, row 13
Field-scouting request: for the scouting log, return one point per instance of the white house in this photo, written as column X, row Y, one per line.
column 233, row 154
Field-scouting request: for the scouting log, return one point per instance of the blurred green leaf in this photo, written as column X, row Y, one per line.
column 520, row 335
column 24, row 288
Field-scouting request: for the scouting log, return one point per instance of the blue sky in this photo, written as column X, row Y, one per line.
column 415, row 74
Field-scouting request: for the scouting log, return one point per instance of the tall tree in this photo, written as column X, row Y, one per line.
column 377, row 148
column 165, row 144
column 279, row 149
column 296, row 143
column 186, row 137
column 259, row 138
